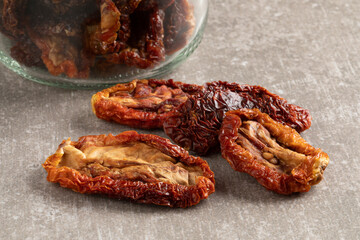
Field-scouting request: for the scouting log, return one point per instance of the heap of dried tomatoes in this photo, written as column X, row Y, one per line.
column 256, row 130
column 73, row 36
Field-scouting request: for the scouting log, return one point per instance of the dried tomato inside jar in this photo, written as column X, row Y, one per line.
column 140, row 167
column 275, row 154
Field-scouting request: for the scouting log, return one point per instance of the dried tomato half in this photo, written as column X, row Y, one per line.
column 275, row 154
column 141, row 167
column 195, row 124
column 141, row 103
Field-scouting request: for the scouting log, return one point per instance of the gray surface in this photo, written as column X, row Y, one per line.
column 305, row 51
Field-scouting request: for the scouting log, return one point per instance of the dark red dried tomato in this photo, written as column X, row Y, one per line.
column 179, row 25
column 60, row 39
column 195, row 124
column 141, row 103
column 145, row 46
column 140, row 167
column 61, row 7
column 273, row 153
column 147, row 5
column 71, row 62
column 26, row 52
column 127, row 6
column 12, row 17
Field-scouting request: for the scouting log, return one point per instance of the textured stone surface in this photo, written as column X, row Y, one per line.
column 305, row 51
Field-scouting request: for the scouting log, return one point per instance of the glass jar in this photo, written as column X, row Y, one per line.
column 84, row 44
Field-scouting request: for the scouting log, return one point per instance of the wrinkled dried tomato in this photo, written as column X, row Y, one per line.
column 60, row 7
column 145, row 46
column 26, row 52
column 101, row 37
column 273, row 153
column 128, row 6
column 195, row 124
column 141, row 103
column 60, row 39
column 147, row 5
column 12, row 17
column 179, row 25
column 140, row 167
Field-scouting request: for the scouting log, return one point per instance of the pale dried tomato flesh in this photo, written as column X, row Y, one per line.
column 273, row 153
column 140, row 167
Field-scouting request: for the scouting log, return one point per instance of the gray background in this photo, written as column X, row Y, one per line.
column 306, row 51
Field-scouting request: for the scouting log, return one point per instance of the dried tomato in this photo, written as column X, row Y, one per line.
column 125, row 30
column 179, row 25
column 61, row 61
column 147, row 5
column 60, row 40
column 140, row 167
column 141, row 103
column 60, row 7
column 26, row 52
column 101, row 37
column 273, row 153
column 195, row 124
column 145, row 46
column 128, row 6
column 12, row 14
